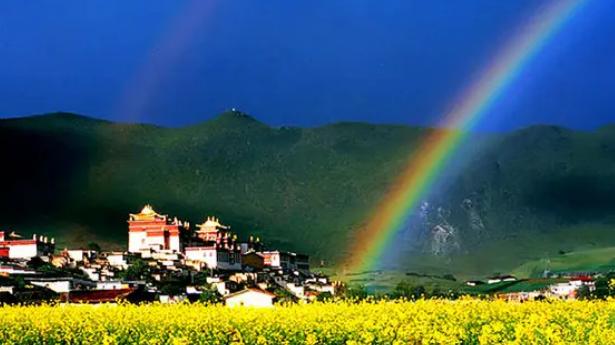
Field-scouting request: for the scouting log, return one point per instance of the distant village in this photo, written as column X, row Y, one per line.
column 170, row 261
column 562, row 286
column 167, row 260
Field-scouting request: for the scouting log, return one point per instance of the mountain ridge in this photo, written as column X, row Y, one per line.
column 310, row 189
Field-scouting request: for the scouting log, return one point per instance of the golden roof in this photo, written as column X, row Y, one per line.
column 212, row 222
column 147, row 213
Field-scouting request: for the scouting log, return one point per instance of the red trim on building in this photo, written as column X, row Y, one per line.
column 18, row 242
column 199, row 248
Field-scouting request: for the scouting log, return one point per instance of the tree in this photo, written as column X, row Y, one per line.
column 324, row 296
column 210, row 296
column 406, row 290
column 356, row 292
column 284, row 296
column 136, row 271
column 94, row 246
column 200, row 278
column 583, row 292
column 172, row 288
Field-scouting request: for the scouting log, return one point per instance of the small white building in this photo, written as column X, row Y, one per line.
column 215, row 258
column 118, row 260
column 322, row 288
column 9, row 269
column 92, row 273
column 9, row 289
column 14, row 246
column 568, row 290
column 286, row 261
column 78, row 255
column 250, row 298
column 296, row 290
column 61, row 285
column 499, row 279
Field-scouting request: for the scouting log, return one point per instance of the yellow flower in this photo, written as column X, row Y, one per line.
column 375, row 322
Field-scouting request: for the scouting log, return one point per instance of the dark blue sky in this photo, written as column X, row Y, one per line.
column 297, row 62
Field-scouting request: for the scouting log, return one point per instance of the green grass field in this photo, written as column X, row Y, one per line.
column 590, row 260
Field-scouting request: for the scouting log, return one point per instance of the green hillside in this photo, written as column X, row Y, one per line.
column 505, row 198
column 590, row 260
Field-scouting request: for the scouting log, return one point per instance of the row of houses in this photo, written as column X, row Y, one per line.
column 166, row 250
column 509, row 288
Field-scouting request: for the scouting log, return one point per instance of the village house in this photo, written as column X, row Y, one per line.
column 321, row 287
column 14, row 246
column 7, row 289
column 61, row 284
column 117, row 260
column 253, row 261
column 286, row 261
column 81, row 255
column 501, row 278
column 251, row 297
column 569, row 289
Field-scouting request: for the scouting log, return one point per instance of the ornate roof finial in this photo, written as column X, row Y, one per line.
column 148, row 209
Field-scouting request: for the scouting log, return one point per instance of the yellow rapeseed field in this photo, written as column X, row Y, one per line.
column 464, row 321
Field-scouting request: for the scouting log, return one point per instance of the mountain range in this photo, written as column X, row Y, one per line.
column 502, row 200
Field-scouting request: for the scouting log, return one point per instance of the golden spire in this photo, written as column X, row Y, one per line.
column 212, row 223
column 147, row 213
column 147, row 210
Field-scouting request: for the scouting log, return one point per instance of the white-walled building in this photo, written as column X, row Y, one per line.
column 118, row 260
column 286, row 260
column 215, row 258
column 14, row 246
column 250, row 298
column 568, row 290
column 499, row 279
column 92, row 273
column 61, row 285
column 79, row 255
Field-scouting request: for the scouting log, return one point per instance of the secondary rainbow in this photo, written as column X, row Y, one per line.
column 181, row 32
column 430, row 158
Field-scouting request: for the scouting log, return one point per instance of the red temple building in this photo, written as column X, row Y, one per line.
column 150, row 230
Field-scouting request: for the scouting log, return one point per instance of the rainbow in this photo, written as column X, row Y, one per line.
column 430, row 158
column 164, row 55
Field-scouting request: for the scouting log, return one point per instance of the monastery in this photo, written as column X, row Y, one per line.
column 211, row 245
column 150, row 230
